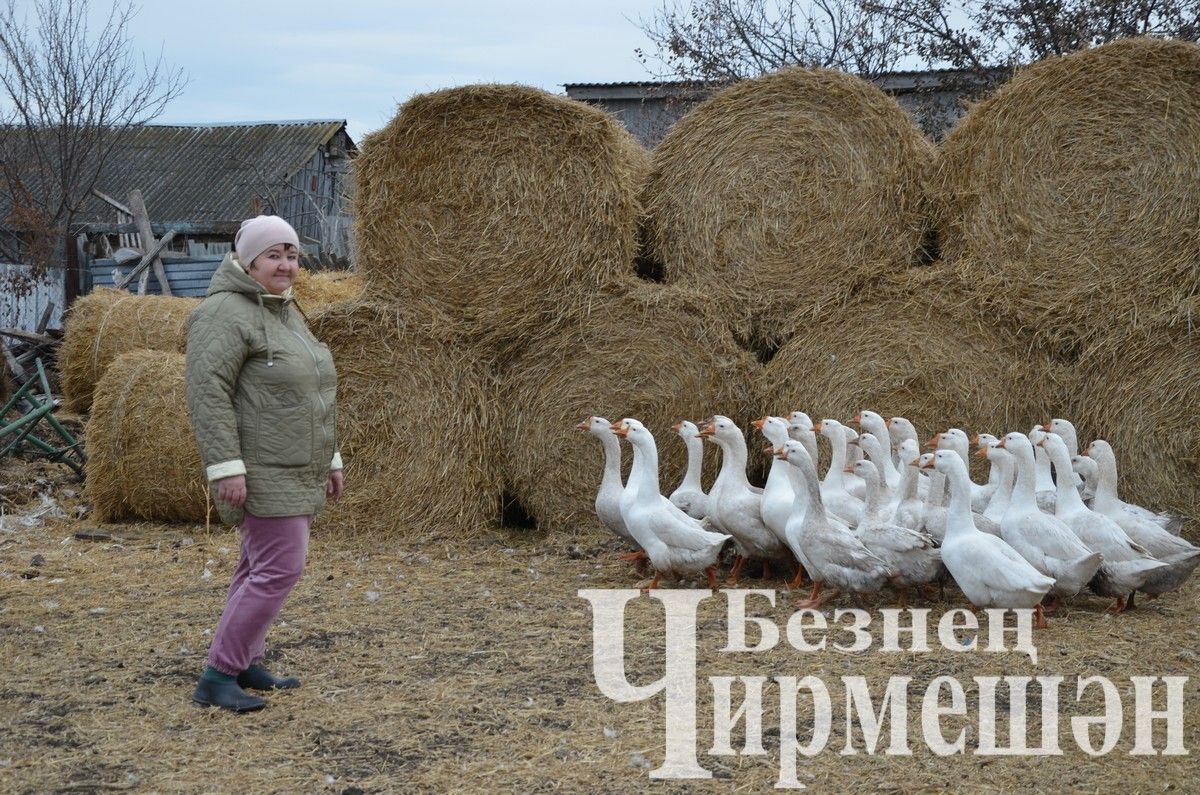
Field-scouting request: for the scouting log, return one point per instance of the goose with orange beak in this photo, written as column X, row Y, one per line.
column 834, row 555
column 1126, row 565
column 1043, row 540
column 778, row 496
column 988, row 570
column 1181, row 557
column 676, row 543
column 911, row 554
column 689, row 497
column 835, row 492
column 608, row 497
column 734, row 506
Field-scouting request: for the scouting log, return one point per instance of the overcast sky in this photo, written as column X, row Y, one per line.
column 293, row 59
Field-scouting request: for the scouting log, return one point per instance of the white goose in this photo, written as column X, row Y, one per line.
column 838, row 501
column 1089, row 472
column 690, row 497
column 1005, row 470
column 832, row 554
column 911, row 554
column 958, row 441
column 888, row 499
column 936, row 511
column 1126, row 564
column 1172, row 524
column 989, row 571
column 1180, row 556
column 899, row 429
column 778, row 494
column 800, row 428
column 608, row 498
column 734, row 506
column 910, row 510
column 676, row 543
column 1042, row 539
column 1043, row 489
column 873, row 424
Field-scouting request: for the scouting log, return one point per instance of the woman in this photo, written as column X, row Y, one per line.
column 261, row 391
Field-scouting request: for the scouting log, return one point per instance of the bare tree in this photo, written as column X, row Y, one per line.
column 68, row 89
column 727, row 40
column 735, row 39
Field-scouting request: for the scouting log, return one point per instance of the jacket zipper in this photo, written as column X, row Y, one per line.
column 317, row 369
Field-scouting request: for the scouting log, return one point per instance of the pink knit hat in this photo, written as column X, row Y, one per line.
column 258, row 234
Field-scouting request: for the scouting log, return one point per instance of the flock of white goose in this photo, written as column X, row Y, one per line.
column 884, row 514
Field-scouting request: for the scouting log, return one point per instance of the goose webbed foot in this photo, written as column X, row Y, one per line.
column 735, row 573
column 653, row 583
column 1041, row 622
column 798, row 580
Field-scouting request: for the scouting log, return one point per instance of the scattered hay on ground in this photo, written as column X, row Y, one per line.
column 1069, row 199
column 106, row 323
column 430, row 666
column 415, row 425
column 1141, row 393
column 493, row 209
column 314, row 290
column 143, row 462
column 784, row 193
column 653, row 352
column 917, row 348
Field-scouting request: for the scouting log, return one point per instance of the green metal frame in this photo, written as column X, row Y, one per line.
column 37, row 409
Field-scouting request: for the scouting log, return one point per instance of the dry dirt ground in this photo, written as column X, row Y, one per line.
column 464, row 664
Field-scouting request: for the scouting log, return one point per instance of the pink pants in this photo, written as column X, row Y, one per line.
column 272, row 560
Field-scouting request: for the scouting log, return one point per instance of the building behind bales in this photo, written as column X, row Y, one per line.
column 197, row 180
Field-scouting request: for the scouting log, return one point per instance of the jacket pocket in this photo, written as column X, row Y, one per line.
column 284, row 436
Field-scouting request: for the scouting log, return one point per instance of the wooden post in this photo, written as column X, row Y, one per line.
column 137, row 206
column 143, row 265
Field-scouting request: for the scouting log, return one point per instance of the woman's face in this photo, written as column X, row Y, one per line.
column 276, row 268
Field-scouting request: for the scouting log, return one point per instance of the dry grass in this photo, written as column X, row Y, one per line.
column 494, row 209
column 106, row 323
column 786, row 192
column 653, row 352
column 1069, row 199
column 1141, row 393
column 452, row 683
column 143, row 462
column 415, row 423
column 314, row 290
column 918, row 347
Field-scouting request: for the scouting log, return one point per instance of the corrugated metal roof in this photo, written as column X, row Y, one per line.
column 206, row 172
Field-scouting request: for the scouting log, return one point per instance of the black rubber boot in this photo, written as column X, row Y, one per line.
column 226, row 695
column 258, row 678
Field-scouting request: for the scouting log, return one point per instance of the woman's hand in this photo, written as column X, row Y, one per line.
column 334, row 484
column 232, row 490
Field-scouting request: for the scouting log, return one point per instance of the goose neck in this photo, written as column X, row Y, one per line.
column 695, row 462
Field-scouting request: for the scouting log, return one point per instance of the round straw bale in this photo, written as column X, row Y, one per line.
column 918, row 349
column 143, row 462
column 1068, row 200
column 787, row 192
column 414, row 427
column 315, row 289
column 106, row 323
column 494, row 208
column 653, row 352
column 1140, row 393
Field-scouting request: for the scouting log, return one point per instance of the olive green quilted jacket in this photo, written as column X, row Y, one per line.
column 262, row 393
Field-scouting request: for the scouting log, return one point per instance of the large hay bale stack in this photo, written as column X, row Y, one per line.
column 494, row 209
column 784, row 194
column 653, row 352
column 106, row 323
column 1141, row 393
column 312, row 290
column 143, row 462
column 1069, row 199
column 918, row 348
column 414, row 425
